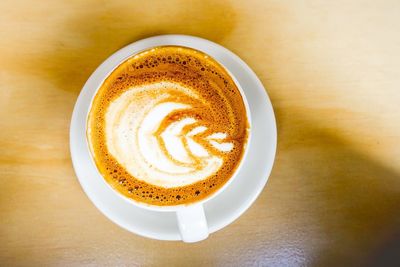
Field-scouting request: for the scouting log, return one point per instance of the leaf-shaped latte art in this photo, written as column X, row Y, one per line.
column 169, row 157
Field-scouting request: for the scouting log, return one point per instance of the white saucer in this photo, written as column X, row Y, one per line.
column 221, row 210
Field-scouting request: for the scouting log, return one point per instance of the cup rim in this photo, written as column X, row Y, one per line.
column 111, row 65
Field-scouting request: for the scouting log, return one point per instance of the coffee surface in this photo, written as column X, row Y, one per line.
column 168, row 126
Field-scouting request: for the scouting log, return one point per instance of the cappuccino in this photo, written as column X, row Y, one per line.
column 168, row 126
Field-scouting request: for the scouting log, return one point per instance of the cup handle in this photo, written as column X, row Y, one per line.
column 192, row 223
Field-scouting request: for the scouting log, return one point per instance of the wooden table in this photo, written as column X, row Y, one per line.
column 332, row 70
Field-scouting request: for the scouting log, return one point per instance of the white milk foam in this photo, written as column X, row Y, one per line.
column 131, row 124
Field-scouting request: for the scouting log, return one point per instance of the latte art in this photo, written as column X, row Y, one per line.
column 168, row 126
column 149, row 145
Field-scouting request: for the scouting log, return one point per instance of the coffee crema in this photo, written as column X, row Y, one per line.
column 168, row 126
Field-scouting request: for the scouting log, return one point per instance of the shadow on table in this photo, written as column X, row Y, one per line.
column 352, row 202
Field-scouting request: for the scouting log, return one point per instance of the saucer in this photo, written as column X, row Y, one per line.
column 221, row 210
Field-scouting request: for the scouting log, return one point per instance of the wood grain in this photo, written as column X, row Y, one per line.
column 332, row 70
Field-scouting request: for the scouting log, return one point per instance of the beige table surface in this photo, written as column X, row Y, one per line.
column 332, row 70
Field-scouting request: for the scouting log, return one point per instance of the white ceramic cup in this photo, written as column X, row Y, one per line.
column 223, row 209
column 191, row 219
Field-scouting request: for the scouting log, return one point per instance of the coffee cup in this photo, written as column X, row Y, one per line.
column 191, row 218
